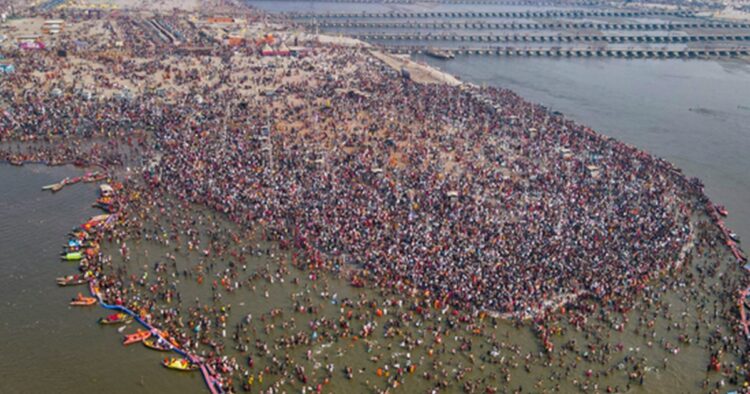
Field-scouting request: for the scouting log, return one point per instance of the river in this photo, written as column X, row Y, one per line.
column 48, row 346
column 695, row 114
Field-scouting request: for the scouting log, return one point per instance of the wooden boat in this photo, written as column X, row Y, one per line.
column 156, row 344
column 72, row 280
column 440, row 54
column 179, row 364
column 95, row 176
column 117, row 318
column 80, row 300
column 137, row 337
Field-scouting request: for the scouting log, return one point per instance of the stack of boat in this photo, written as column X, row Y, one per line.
column 89, row 177
column 83, row 247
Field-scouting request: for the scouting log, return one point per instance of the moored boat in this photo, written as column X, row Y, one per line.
column 156, row 343
column 179, row 364
column 72, row 280
column 93, row 177
column 440, row 54
column 116, row 318
column 72, row 256
column 136, row 337
column 80, row 300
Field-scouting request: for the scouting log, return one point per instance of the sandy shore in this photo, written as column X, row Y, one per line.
column 418, row 72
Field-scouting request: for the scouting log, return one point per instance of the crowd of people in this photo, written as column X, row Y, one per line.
column 423, row 186
column 467, row 197
column 474, row 195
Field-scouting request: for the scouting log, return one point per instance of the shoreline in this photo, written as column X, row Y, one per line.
column 450, row 197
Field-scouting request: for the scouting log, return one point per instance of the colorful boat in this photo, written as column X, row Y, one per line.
column 71, row 249
column 72, row 280
column 72, row 256
column 157, row 344
column 99, row 218
column 93, row 177
column 57, row 187
column 79, row 234
column 137, row 337
column 80, row 300
column 116, row 318
column 179, row 364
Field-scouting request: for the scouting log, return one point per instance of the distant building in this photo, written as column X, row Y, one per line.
column 220, row 19
column 235, row 41
column 53, row 26
column 28, row 39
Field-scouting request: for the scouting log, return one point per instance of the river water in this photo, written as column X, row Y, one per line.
column 695, row 114
column 48, row 346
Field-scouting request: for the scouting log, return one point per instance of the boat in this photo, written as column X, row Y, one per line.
column 72, row 256
column 440, row 54
column 735, row 237
column 137, row 337
column 80, row 300
column 79, row 234
column 179, row 364
column 71, row 249
column 157, row 344
column 116, row 318
column 105, row 207
column 57, row 187
column 95, row 176
column 76, row 243
column 106, row 190
column 105, row 203
column 721, row 210
column 99, row 218
column 16, row 162
column 72, row 280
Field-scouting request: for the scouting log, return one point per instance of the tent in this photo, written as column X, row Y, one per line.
column 267, row 50
column 283, row 50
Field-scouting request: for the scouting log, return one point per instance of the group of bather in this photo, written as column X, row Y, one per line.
column 474, row 195
column 468, row 196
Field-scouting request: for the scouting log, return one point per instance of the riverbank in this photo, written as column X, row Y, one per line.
column 417, row 72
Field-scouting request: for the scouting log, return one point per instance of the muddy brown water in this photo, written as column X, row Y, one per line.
column 52, row 347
